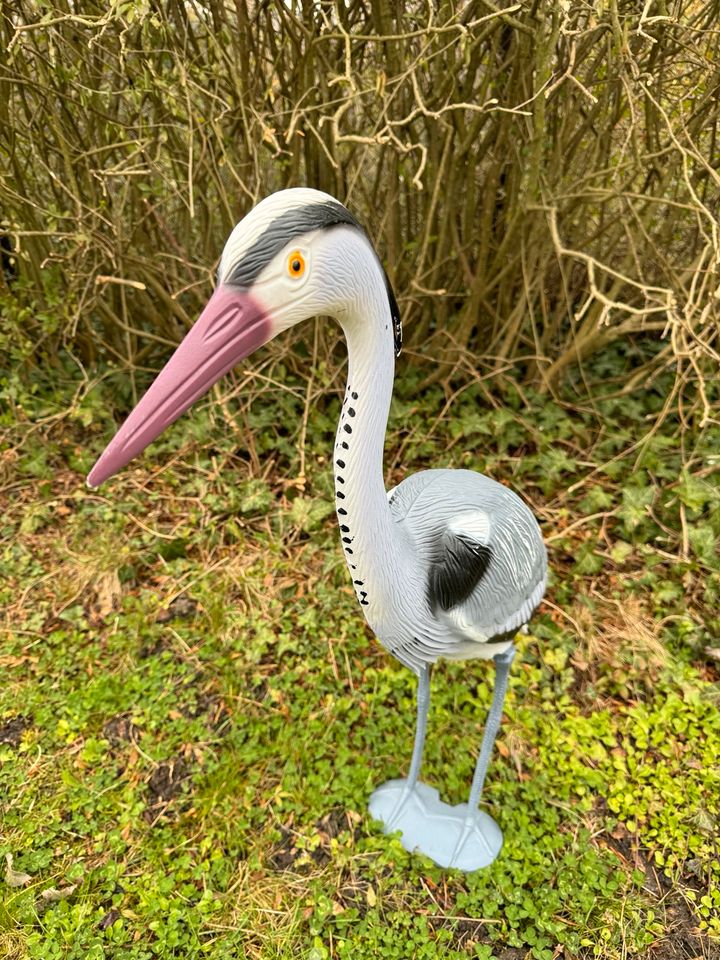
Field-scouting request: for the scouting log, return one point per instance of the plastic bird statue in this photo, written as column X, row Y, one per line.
column 449, row 564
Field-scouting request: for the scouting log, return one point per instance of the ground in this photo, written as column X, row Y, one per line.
column 193, row 713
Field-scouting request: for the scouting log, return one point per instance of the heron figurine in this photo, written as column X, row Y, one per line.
column 449, row 564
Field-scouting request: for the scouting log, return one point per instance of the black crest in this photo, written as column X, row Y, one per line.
column 395, row 314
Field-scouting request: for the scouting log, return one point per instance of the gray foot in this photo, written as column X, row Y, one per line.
column 446, row 834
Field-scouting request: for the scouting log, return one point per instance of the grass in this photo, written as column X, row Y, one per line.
column 193, row 714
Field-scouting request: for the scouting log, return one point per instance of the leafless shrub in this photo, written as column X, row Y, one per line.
column 540, row 177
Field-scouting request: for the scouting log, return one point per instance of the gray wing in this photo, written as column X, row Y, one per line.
column 484, row 555
column 464, row 557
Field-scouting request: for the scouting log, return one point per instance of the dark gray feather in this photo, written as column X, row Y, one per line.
column 457, row 571
column 294, row 222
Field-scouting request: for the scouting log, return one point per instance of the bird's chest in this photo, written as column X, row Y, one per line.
column 394, row 604
column 392, row 600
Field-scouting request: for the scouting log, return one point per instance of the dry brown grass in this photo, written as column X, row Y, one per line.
column 618, row 637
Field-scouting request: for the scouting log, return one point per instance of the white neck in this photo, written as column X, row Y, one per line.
column 372, row 547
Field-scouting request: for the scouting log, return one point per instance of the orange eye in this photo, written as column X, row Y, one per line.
column 296, row 264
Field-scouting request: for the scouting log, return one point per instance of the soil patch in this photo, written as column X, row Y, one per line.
column 11, row 730
column 166, row 783
column 181, row 608
column 121, row 729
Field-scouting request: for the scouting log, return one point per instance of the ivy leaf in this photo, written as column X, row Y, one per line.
column 634, row 510
column 704, row 545
column 588, row 562
column 693, row 492
column 257, row 497
column 620, row 551
column 308, row 512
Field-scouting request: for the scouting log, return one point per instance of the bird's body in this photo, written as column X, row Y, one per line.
column 480, row 563
column 450, row 564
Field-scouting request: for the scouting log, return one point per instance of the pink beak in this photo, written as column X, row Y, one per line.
column 232, row 326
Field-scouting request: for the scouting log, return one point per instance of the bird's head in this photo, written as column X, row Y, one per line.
column 297, row 254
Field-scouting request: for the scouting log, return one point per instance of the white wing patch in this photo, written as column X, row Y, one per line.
column 473, row 525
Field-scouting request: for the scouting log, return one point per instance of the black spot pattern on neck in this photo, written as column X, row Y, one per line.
column 344, row 520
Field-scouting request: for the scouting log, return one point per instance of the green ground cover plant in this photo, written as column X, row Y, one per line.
column 193, row 714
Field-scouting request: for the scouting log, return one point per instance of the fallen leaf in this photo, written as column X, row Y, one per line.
column 13, row 878
column 52, row 894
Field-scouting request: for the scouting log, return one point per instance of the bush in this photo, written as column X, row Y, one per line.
column 538, row 178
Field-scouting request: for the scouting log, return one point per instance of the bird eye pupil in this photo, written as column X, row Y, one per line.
column 296, row 263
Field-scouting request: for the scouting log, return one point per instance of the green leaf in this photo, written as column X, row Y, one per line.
column 704, row 545
column 694, row 492
column 256, row 498
column 635, row 503
column 309, row 512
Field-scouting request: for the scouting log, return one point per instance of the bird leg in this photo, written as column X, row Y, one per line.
column 423, row 706
column 502, row 671
column 453, row 836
